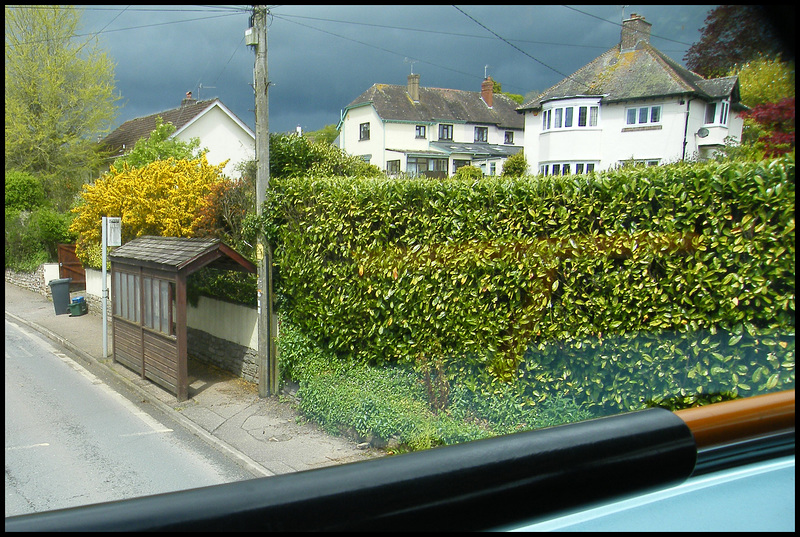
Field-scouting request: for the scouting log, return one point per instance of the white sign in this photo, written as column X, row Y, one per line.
column 114, row 231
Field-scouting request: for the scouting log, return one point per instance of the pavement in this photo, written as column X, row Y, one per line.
column 267, row 435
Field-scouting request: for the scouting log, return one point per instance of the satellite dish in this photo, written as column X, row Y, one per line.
column 703, row 132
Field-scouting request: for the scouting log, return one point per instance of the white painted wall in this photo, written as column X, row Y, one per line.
column 223, row 137
column 349, row 136
column 50, row 272
column 94, row 282
column 401, row 136
column 613, row 141
column 225, row 320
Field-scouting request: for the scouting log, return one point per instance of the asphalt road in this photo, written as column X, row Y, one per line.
column 71, row 439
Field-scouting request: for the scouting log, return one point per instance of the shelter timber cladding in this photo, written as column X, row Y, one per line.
column 148, row 288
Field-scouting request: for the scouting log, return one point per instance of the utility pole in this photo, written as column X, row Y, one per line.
column 267, row 361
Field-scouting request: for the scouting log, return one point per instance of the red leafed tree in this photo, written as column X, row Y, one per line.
column 777, row 119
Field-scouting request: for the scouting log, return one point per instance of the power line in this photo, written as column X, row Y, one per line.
column 504, row 40
column 620, row 26
column 437, row 32
column 372, row 46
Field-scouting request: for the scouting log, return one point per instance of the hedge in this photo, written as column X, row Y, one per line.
column 615, row 288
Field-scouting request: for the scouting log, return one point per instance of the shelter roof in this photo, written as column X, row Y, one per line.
column 179, row 254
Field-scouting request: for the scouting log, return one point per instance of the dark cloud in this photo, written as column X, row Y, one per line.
column 321, row 57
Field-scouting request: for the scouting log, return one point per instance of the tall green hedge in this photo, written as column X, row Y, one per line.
column 614, row 288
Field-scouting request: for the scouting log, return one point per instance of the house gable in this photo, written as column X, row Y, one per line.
column 219, row 130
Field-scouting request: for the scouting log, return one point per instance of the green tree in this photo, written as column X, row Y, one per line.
column 498, row 88
column 326, row 134
column 468, row 172
column 60, row 96
column 291, row 155
column 765, row 80
column 159, row 146
column 24, row 192
column 515, row 165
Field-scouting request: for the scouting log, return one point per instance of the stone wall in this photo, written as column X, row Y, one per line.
column 33, row 281
column 226, row 355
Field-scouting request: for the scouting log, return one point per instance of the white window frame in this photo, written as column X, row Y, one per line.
column 644, row 115
column 719, row 116
column 566, row 168
column 571, row 115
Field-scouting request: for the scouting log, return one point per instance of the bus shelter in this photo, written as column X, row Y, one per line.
column 148, row 293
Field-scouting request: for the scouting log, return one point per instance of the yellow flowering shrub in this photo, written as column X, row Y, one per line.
column 164, row 198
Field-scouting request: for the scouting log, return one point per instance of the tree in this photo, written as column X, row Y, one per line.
column 291, row 155
column 59, row 98
column 733, row 35
column 515, row 165
column 764, row 80
column 164, row 198
column 468, row 172
column 497, row 87
column 326, row 134
column 159, row 146
column 777, row 121
column 24, row 192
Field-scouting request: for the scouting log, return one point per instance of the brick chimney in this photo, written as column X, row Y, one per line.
column 188, row 99
column 634, row 31
column 487, row 91
column 413, row 87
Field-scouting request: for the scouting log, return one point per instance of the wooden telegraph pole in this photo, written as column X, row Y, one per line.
column 267, row 361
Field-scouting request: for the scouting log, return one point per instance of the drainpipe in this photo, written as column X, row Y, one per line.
column 686, row 128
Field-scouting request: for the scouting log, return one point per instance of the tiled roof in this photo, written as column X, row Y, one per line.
column 632, row 74
column 177, row 253
column 436, row 105
column 126, row 135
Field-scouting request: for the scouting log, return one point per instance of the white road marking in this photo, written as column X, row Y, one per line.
column 44, row 444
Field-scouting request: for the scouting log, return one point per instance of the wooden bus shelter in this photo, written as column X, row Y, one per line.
column 148, row 293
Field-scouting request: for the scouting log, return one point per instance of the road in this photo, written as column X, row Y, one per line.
column 75, row 437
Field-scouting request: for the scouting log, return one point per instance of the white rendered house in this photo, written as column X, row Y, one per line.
column 219, row 130
column 632, row 103
column 431, row 131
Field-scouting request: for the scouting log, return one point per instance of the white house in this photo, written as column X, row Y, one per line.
column 431, row 131
column 632, row 103
column 224, row 135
